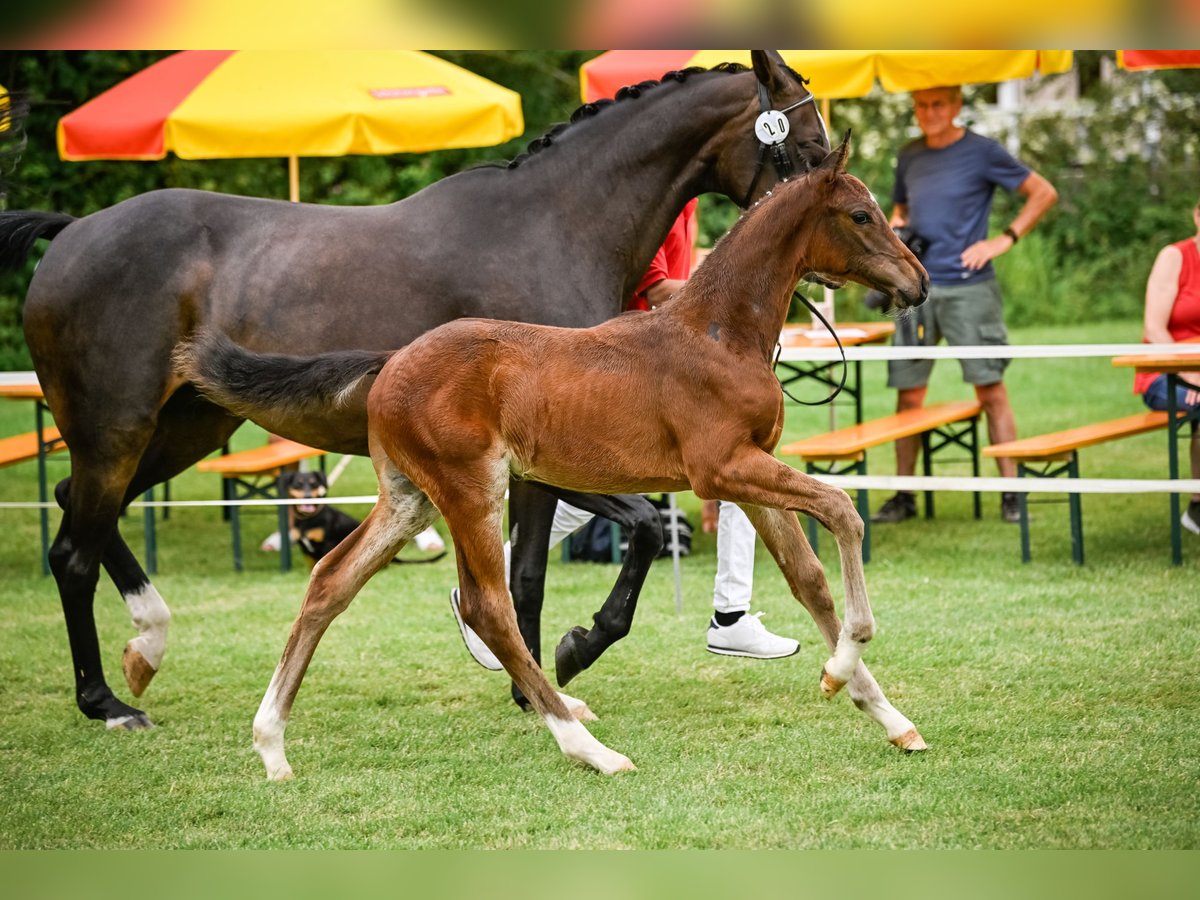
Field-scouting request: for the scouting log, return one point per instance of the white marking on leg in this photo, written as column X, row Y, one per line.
column 577, row 743
column 269, row 725
column 577, row 708
column 150, row 617
column 845, row 657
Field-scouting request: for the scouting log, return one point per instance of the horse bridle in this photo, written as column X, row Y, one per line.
column 780, row 157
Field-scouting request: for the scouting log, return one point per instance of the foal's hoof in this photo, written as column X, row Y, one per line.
column 138, row 672
column 578, row 709
column 830, row 685
column 910, row 742
column 281, row 774
column 566, row 655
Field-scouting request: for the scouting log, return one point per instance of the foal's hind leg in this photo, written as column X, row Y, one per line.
column 784, row 538
column 474, row 521
column 402, row 512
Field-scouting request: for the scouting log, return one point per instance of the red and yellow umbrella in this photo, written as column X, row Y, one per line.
column 1136, row 60
column 833, row 73
column 213, row 104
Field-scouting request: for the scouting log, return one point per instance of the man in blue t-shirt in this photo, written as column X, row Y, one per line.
column 945, row 181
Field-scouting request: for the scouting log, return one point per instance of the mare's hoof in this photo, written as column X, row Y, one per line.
column 134, row 721
column 830, row 685
column 566, row 655
column 520, row 699
column 138, row 672
column 910, row 742
column 281, row 774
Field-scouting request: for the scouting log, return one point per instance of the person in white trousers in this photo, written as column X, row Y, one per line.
column 732, row 630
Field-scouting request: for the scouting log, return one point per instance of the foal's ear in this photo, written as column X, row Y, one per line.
column 768, row 67
column 835, row 163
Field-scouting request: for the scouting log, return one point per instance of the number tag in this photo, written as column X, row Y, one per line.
column 772, row 127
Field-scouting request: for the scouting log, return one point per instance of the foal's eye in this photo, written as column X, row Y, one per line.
column 860, row 218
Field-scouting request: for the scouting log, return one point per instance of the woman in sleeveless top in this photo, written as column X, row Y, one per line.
column 1173, row 314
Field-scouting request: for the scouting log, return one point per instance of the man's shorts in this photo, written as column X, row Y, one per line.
column 966, row 314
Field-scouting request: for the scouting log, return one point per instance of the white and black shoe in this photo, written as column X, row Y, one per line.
column 748, row 637
column 1191, row 517
column 475, row 646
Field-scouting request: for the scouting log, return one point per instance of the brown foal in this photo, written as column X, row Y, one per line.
column 681, row 397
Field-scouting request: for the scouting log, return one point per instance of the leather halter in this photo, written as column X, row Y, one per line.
column 782, row 159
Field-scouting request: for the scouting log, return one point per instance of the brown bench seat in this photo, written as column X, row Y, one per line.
column 255, row 473
column 952, row 423
column 1045, row 450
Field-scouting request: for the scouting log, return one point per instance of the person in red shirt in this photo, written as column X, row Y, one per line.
column 672, row 264
column 1173, row 314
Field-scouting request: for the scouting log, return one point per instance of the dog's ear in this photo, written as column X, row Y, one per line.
column 321, row 479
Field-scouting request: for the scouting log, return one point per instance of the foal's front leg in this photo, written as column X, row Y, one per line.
column 784, row 538
column 752, row 476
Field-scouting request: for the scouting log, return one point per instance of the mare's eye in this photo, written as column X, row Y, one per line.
column 860, row 218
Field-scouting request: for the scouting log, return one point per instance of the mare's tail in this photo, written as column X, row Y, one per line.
column 18, row 231
column 265, row 386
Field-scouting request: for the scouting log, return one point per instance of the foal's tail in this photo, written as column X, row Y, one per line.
column 260, row 386
column 18, row 231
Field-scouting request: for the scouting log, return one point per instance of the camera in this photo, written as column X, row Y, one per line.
column 915, row 243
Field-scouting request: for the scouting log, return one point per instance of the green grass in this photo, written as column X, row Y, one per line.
column 1059, row 702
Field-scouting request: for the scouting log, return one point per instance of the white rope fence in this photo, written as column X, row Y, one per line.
column 985, row 351
column 913, row 483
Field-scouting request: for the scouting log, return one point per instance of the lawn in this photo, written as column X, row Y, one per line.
column 1059, row 702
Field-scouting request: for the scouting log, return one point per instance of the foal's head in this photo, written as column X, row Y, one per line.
column 851, row 241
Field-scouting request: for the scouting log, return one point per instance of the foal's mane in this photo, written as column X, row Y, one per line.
column 629, row 92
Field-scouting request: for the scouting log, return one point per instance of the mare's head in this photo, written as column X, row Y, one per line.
column 851, row 240
column 778, row 132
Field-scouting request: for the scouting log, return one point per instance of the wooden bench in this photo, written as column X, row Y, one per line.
column 1051, row 455
column 255, row 473
column 24, row 447
column 940, row 425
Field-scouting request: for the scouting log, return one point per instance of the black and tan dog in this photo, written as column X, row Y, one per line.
column 317, row 527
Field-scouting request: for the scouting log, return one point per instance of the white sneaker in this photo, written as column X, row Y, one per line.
column 429, row 541
column 475, row 646
column 748, row 637
column 1191, row 517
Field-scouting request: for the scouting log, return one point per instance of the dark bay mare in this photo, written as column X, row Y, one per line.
column 505, row 401
column 558, row 237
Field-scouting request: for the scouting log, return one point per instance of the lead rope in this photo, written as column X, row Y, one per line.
column 779, row 349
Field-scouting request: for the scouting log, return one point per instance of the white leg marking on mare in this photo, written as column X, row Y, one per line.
column 150, row 617
column 268, row 734
column 577, row 743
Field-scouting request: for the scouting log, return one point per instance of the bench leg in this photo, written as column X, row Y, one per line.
column 810, row 522
column 1173, row 466
column 43, row 489
column 1076, row 511
column 927, row 470
column 285, row 537
column 864, row 510
column 975, row 465
column 235, row 526
column 149, row 533
column 1023, row 506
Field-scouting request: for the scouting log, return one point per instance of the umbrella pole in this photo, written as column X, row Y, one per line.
column 294, row 179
